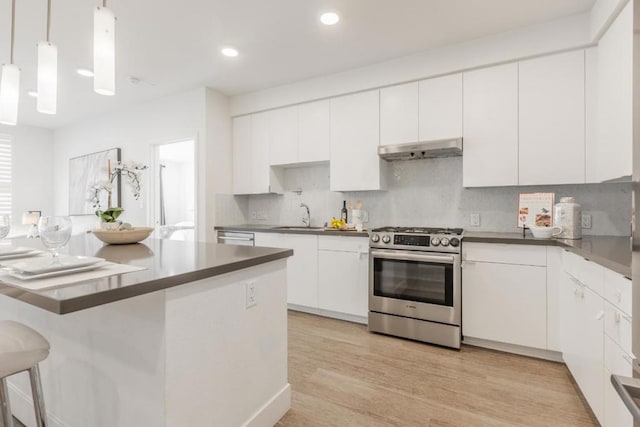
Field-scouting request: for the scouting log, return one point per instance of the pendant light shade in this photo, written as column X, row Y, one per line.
column 104, row 68
column 47, row 78
column 9, row 94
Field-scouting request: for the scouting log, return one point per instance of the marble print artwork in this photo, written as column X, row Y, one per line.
column 88, row 170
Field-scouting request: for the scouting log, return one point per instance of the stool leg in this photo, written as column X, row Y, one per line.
column 38, row 397
column 7, row 418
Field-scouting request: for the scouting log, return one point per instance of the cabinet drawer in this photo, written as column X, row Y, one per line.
column 587, row 272
column 617, row 326
column 615, row 359
column 617, row 290
column 344, row 244
column 505, row 253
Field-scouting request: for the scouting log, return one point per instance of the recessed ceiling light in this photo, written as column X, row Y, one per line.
column 32, row 93
column 329, row 18
column 85, row 72
column 229, row 51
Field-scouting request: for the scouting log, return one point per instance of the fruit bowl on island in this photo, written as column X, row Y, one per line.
column 123, row 235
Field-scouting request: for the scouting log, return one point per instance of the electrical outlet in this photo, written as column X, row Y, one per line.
column 251, row 294
column 254, row 215
column 586, row 221
column 474, row 220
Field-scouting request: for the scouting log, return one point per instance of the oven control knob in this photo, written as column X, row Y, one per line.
column 435, row 241
column 444, row 241
column 386, row 239
column 455, row 242
column 375, row 238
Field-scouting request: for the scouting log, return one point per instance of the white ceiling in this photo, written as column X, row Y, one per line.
column 175, row 45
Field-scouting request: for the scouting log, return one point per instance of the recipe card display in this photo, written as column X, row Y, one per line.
column 535, row 209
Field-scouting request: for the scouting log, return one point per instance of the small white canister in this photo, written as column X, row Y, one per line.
column 568, row 216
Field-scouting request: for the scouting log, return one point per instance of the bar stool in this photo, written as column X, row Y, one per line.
column 21, row 349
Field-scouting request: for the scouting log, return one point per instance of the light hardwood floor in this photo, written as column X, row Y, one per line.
column 341, row 375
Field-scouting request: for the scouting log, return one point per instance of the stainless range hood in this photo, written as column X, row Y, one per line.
column 422, row 150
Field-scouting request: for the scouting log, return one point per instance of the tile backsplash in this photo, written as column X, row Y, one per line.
column 423, row 193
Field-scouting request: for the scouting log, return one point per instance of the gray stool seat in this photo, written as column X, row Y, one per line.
column 21, row 348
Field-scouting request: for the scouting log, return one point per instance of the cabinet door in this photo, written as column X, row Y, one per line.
column 399, row 114
column 441, row 108
column 260, row 167
column 302, row 270
column 283, row 136
column 490, row 129
column 343, row 285
column 355, row 135
column 269, row 240
column 616, row 362
column 242, row 169
column 314, row 121
column 552, row 119
column 505, row 303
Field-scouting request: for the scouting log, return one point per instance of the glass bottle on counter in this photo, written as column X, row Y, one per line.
column 344, row 213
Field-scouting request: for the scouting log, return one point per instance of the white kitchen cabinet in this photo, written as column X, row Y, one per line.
column 252, row 173
column 283, row 136
column 552, row 119
column 554, row 280
column 591, row 115
column 616, row 362
column 614, row 142
column 302, row 267
column 355, row 136
column 490, row 127
column 343, row 275
column 399, row 114
column 582, row 340
column 505, row 303
column 314, row 120
column 440, row 102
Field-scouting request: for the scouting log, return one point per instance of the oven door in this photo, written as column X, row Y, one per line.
column 415, row 284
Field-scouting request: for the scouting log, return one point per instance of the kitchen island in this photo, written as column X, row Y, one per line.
column 179, row 343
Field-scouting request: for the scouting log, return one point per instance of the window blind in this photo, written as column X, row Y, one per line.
column 6, row 160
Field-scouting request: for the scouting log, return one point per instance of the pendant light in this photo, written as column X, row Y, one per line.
column 104, row 54
column 47, row 72
column 10, row 83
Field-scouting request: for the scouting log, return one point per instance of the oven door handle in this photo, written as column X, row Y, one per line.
column 410, row 256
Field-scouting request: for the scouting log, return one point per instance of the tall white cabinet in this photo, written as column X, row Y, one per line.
column 551, row 94
column 491, row 127
column 355, row 137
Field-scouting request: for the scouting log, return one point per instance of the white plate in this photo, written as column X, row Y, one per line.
column 47, row 265
column 10, row 250
column 27, row 276
column 34, row 252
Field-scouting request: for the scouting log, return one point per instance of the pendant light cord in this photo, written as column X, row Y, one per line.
column 48, row 20
column 13, row 26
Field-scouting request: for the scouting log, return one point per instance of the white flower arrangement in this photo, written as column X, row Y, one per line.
column 129, row 169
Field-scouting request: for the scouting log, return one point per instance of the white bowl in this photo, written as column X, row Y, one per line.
column 123, row 237
column 544, row 232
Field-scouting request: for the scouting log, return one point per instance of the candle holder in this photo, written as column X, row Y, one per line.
column 31, row 219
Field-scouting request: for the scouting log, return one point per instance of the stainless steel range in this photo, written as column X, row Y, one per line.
column 415, row 283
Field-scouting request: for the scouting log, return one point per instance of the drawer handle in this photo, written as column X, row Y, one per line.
column 616, row 316
column 600, row 315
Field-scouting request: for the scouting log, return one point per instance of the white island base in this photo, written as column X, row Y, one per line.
column 191, row 355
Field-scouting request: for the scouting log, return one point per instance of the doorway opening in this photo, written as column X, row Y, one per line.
column 175, row 190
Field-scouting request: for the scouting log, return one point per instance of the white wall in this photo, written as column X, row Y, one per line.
column 562, row 34
column 32, row 171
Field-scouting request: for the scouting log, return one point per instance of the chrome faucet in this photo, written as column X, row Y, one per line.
column 306, row 220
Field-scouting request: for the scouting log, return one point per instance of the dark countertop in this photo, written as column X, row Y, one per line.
column 169, row 263
column 262, row 228
column 611, row 252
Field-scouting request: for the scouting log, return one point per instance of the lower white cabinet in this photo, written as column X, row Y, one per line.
column 616, row 362
column 343, row 275
column 505, row 303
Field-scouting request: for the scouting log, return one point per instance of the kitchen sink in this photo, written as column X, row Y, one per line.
column 298, row 227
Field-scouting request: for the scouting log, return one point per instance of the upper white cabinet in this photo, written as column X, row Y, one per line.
column 614, row 140
column 399, row 107
column 314, row 124
column 440, row 104
column 552, row 119
column 283, row 136
column 491, row 127
column 355, row 136
column 251, row 171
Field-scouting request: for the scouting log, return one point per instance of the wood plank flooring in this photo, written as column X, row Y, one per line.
column 341, row 375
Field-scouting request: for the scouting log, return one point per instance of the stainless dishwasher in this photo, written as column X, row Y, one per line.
column 238, row 238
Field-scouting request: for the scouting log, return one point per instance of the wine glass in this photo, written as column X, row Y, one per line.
column 5, row 226
column 55, row 232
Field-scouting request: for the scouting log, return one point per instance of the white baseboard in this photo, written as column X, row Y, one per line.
column 538, row 353
column 328, row 313
column 22, row 408
column 273, row 410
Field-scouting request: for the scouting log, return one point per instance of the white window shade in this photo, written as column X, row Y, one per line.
column 6, row 160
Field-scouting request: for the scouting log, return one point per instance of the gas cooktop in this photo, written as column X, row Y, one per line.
column 420, row 230
column 428, row 239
